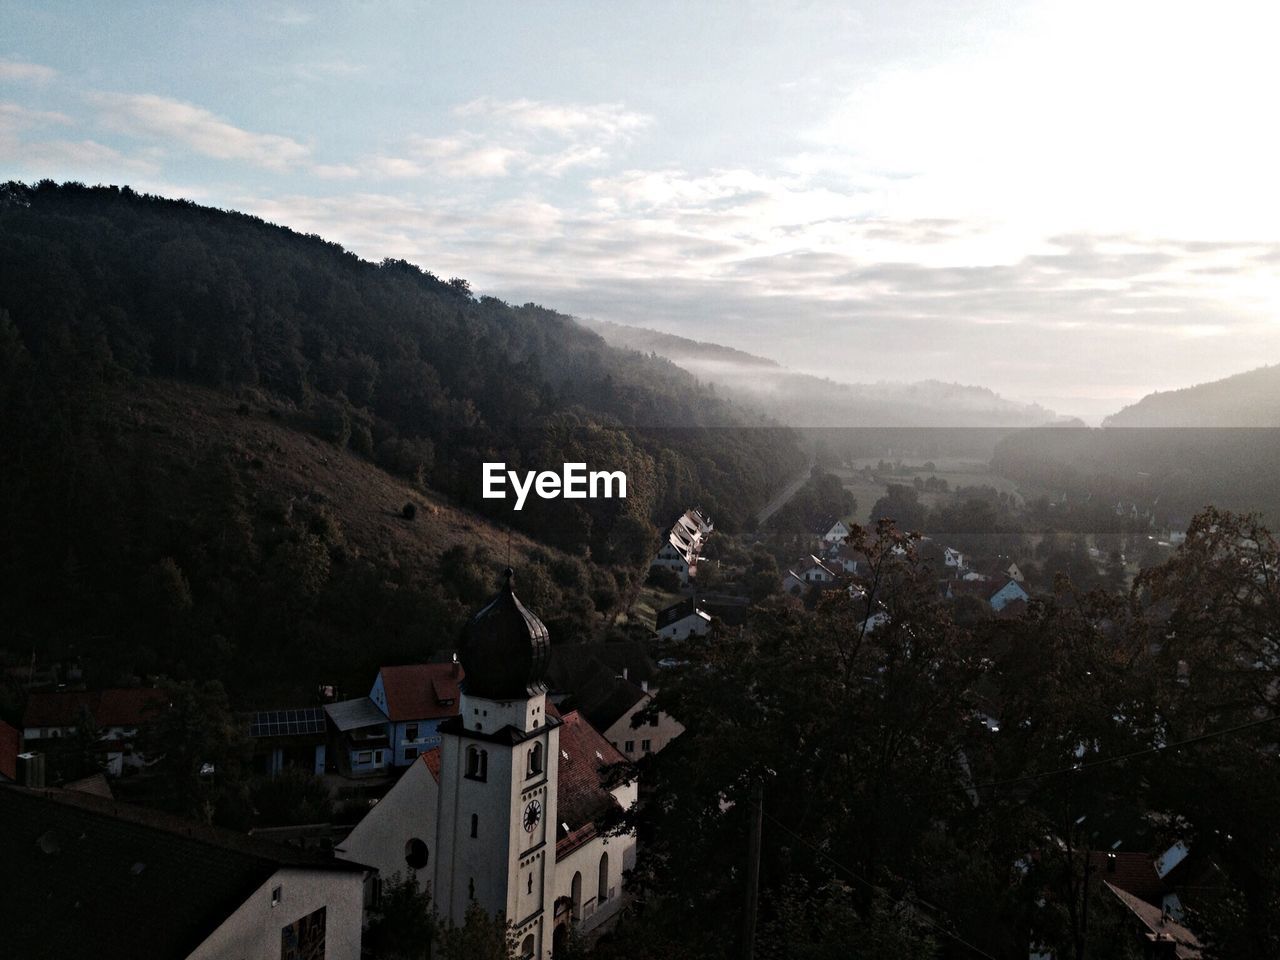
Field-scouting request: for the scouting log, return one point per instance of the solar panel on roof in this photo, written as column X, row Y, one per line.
column 287, row 723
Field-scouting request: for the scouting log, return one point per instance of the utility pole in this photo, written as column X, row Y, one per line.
column 756, row 813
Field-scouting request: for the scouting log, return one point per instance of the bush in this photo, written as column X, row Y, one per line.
column 409, row 512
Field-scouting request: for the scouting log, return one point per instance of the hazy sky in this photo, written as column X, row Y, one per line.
column 1069, row 202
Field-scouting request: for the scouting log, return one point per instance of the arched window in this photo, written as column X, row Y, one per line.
column 602, row 891
column 535, row 760
column 526, row 948
column 575, row 895
column 416, row 854
column 477, row 764
column 475, row 825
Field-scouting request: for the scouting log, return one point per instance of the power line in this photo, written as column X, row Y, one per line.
column 926, row 920
column 1101, row 762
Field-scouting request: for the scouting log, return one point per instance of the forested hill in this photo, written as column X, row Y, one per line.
column 403, row 367
column 1249, row 399
column 129, row 324
column 803, row 400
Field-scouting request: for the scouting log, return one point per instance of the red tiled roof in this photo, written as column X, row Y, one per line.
column 1132, row 872
column 110, row 708
column 581, row 795
column 128, row 707
column 1162, row 928
column 10, row 747
column 419, row 691
column 431, row 759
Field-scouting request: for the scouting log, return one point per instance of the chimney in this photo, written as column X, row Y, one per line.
column 31, row 770
column 1111, row 863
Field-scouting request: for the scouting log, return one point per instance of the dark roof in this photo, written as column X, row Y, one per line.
column 10, row 747
column 677, row 612
column 575, row 664
column 85, row 876
column 581, row 797
column 121, row 707
column 604, row 698
column 822, row 524
column 505, row 648
column 421, row 691
column 355, row 714
column 287, row 723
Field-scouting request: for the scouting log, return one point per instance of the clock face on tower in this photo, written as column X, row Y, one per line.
column 532, row 814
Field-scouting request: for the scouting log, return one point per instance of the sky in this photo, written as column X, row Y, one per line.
column 1071, row 203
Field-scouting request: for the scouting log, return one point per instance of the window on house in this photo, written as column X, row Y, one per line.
column 535, row 760
column 602, row 887
column 364, row 756
column 646, row 745
column 653, row 721
column 416, row 854
column 475, row 825
column 411, row 732
column 526, row 948
column 629, row 747
column 410, row 753
column 277, row 894
column 477, row 763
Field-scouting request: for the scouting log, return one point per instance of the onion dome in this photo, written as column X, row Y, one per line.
column 505, row 649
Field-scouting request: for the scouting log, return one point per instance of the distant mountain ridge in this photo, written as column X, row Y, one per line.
column 801, row 399
column 1250, row 399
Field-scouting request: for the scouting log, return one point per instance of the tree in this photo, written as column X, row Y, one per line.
column 402, row 924
column 482, row 936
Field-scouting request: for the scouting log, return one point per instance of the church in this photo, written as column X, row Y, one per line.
column 503, row 813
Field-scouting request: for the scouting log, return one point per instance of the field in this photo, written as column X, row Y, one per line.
column 868, row 485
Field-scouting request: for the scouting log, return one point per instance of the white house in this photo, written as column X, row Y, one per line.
column 828, row 530
column 152, row 885
column 680, row 552
column 953, row 558
column 504, row 815
column 120, row 715
column 683, row 620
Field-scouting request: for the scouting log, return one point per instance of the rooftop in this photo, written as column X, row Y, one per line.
column 92, row 877
column 421, row 691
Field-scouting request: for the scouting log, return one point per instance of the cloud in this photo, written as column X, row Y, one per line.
column 602, row 122
column 174, row 122
column 22, row 71
column 15, row 117
column 507, row 138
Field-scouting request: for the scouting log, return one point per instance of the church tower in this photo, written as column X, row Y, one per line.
column 496, row 824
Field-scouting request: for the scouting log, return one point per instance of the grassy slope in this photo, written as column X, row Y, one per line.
column 282, row 461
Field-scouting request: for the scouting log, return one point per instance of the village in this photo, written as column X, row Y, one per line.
column 393, row 771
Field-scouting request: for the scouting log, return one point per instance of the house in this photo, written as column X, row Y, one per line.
column 504, row 813
column 397, row 721
column 828, row 530
column 1159, row 935
column 953, row 558
column 415, row 699
column 843, row 558
column 610, row 684
column 89, row 877
column 361, row 746
column 683, row 620
column 288, row 739
column 680, row 551
column 1005, row 569
column 1011, row 591
column 120, row 714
